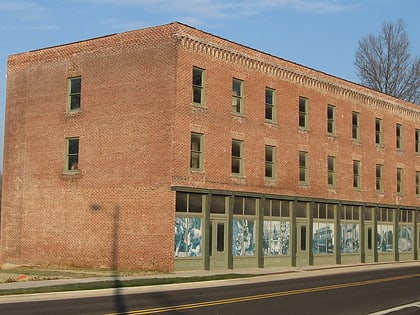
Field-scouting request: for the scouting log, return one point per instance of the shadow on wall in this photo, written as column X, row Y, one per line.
column 120, row 307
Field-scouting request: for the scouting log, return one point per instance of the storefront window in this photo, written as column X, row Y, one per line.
column 323, row 229
column 188, row 233
column 276, row 228
column 350, row 229
column 244, row 237
column 385, row 235
column 405, row 231
column 188, row 224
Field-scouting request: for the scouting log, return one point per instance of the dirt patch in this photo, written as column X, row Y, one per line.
column 13, row 273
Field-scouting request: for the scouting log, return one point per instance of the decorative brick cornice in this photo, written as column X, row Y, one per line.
column 289, row 71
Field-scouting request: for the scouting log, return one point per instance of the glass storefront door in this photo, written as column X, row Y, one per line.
column 302, row 246
column 218, row 244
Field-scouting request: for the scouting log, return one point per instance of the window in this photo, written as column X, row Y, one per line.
column 270, row 109
column 332, row 180
column 323, row 228
column 198, row 86
column 276, row 227
column 385, row 229
column 244, row 226
column 399, row 180
column 188, row 224
column 355, row 121
column 237, row 96
column 349, row 229
column 405, row 230
column 72, row 155
column 237, row 157
column 356, row 174
column 74, row 93
column 418, row 184
column 379, row 184
column 196, row 161
column 331, row 120
column 270, row 161
column 398, row 135
column 417, row 136
column 303, row 168
column 303, row 112
column 378, row 129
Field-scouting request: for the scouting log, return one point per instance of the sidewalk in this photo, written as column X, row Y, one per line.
column 262, row 275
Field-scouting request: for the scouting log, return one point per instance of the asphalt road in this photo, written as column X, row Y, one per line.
column 361, row 292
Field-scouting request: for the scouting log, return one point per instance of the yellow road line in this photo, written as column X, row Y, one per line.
column 164, row 309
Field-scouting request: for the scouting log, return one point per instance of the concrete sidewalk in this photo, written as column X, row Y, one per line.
column 262, row 275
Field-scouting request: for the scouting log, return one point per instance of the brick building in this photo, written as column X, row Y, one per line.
column 170, row 148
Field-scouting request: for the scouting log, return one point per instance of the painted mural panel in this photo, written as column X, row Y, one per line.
column 405, row 239
column 188, row 233
column 323, row 238
column 276, row 235
column 244, row 232
column 349, row 237
column 385, row 237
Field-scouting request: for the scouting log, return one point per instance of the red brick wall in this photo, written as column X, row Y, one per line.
column 125, row 128
column 219, row 127
column 134, row 130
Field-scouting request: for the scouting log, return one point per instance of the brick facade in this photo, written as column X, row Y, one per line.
column 134, row 128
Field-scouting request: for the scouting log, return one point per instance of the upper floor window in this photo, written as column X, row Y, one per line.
column 237, row 157
column 196, row 161
column 331, row 120
column 355, row 122
column 379, row 180
column 72, row 154
column 270, row 109
column 74, row 93
column 418, row 184
column 331, row 164
column 303, row 168
column 356, row 174
column 198, row 86
column 399, row 180
column 378, row 130
column 398, row 136
column 237, row 96
column 303, row 112
column 270, row 161
column 417, row 141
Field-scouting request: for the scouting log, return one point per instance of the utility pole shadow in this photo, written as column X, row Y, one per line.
column 120, row 306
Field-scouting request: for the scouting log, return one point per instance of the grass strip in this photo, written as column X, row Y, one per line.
column 109, row 284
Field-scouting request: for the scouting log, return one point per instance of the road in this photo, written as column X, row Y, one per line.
column 360, row 292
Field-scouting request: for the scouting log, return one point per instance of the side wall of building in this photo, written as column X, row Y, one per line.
column 117, row 209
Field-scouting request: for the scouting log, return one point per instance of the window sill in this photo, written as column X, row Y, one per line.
column 268, row 181
column 198, row 105
column 239, row 115
column 71, row 174
column 238, row 179
column 72, row 113
column 196, row 170
column 271, row 122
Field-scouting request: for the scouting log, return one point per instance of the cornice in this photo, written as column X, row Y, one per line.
column 289, row 71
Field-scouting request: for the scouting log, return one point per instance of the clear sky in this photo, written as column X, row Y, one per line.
column 320, row 34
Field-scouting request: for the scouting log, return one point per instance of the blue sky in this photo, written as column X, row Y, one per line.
column 321, row 34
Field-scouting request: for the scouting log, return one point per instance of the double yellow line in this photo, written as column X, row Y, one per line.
column 164, row 309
